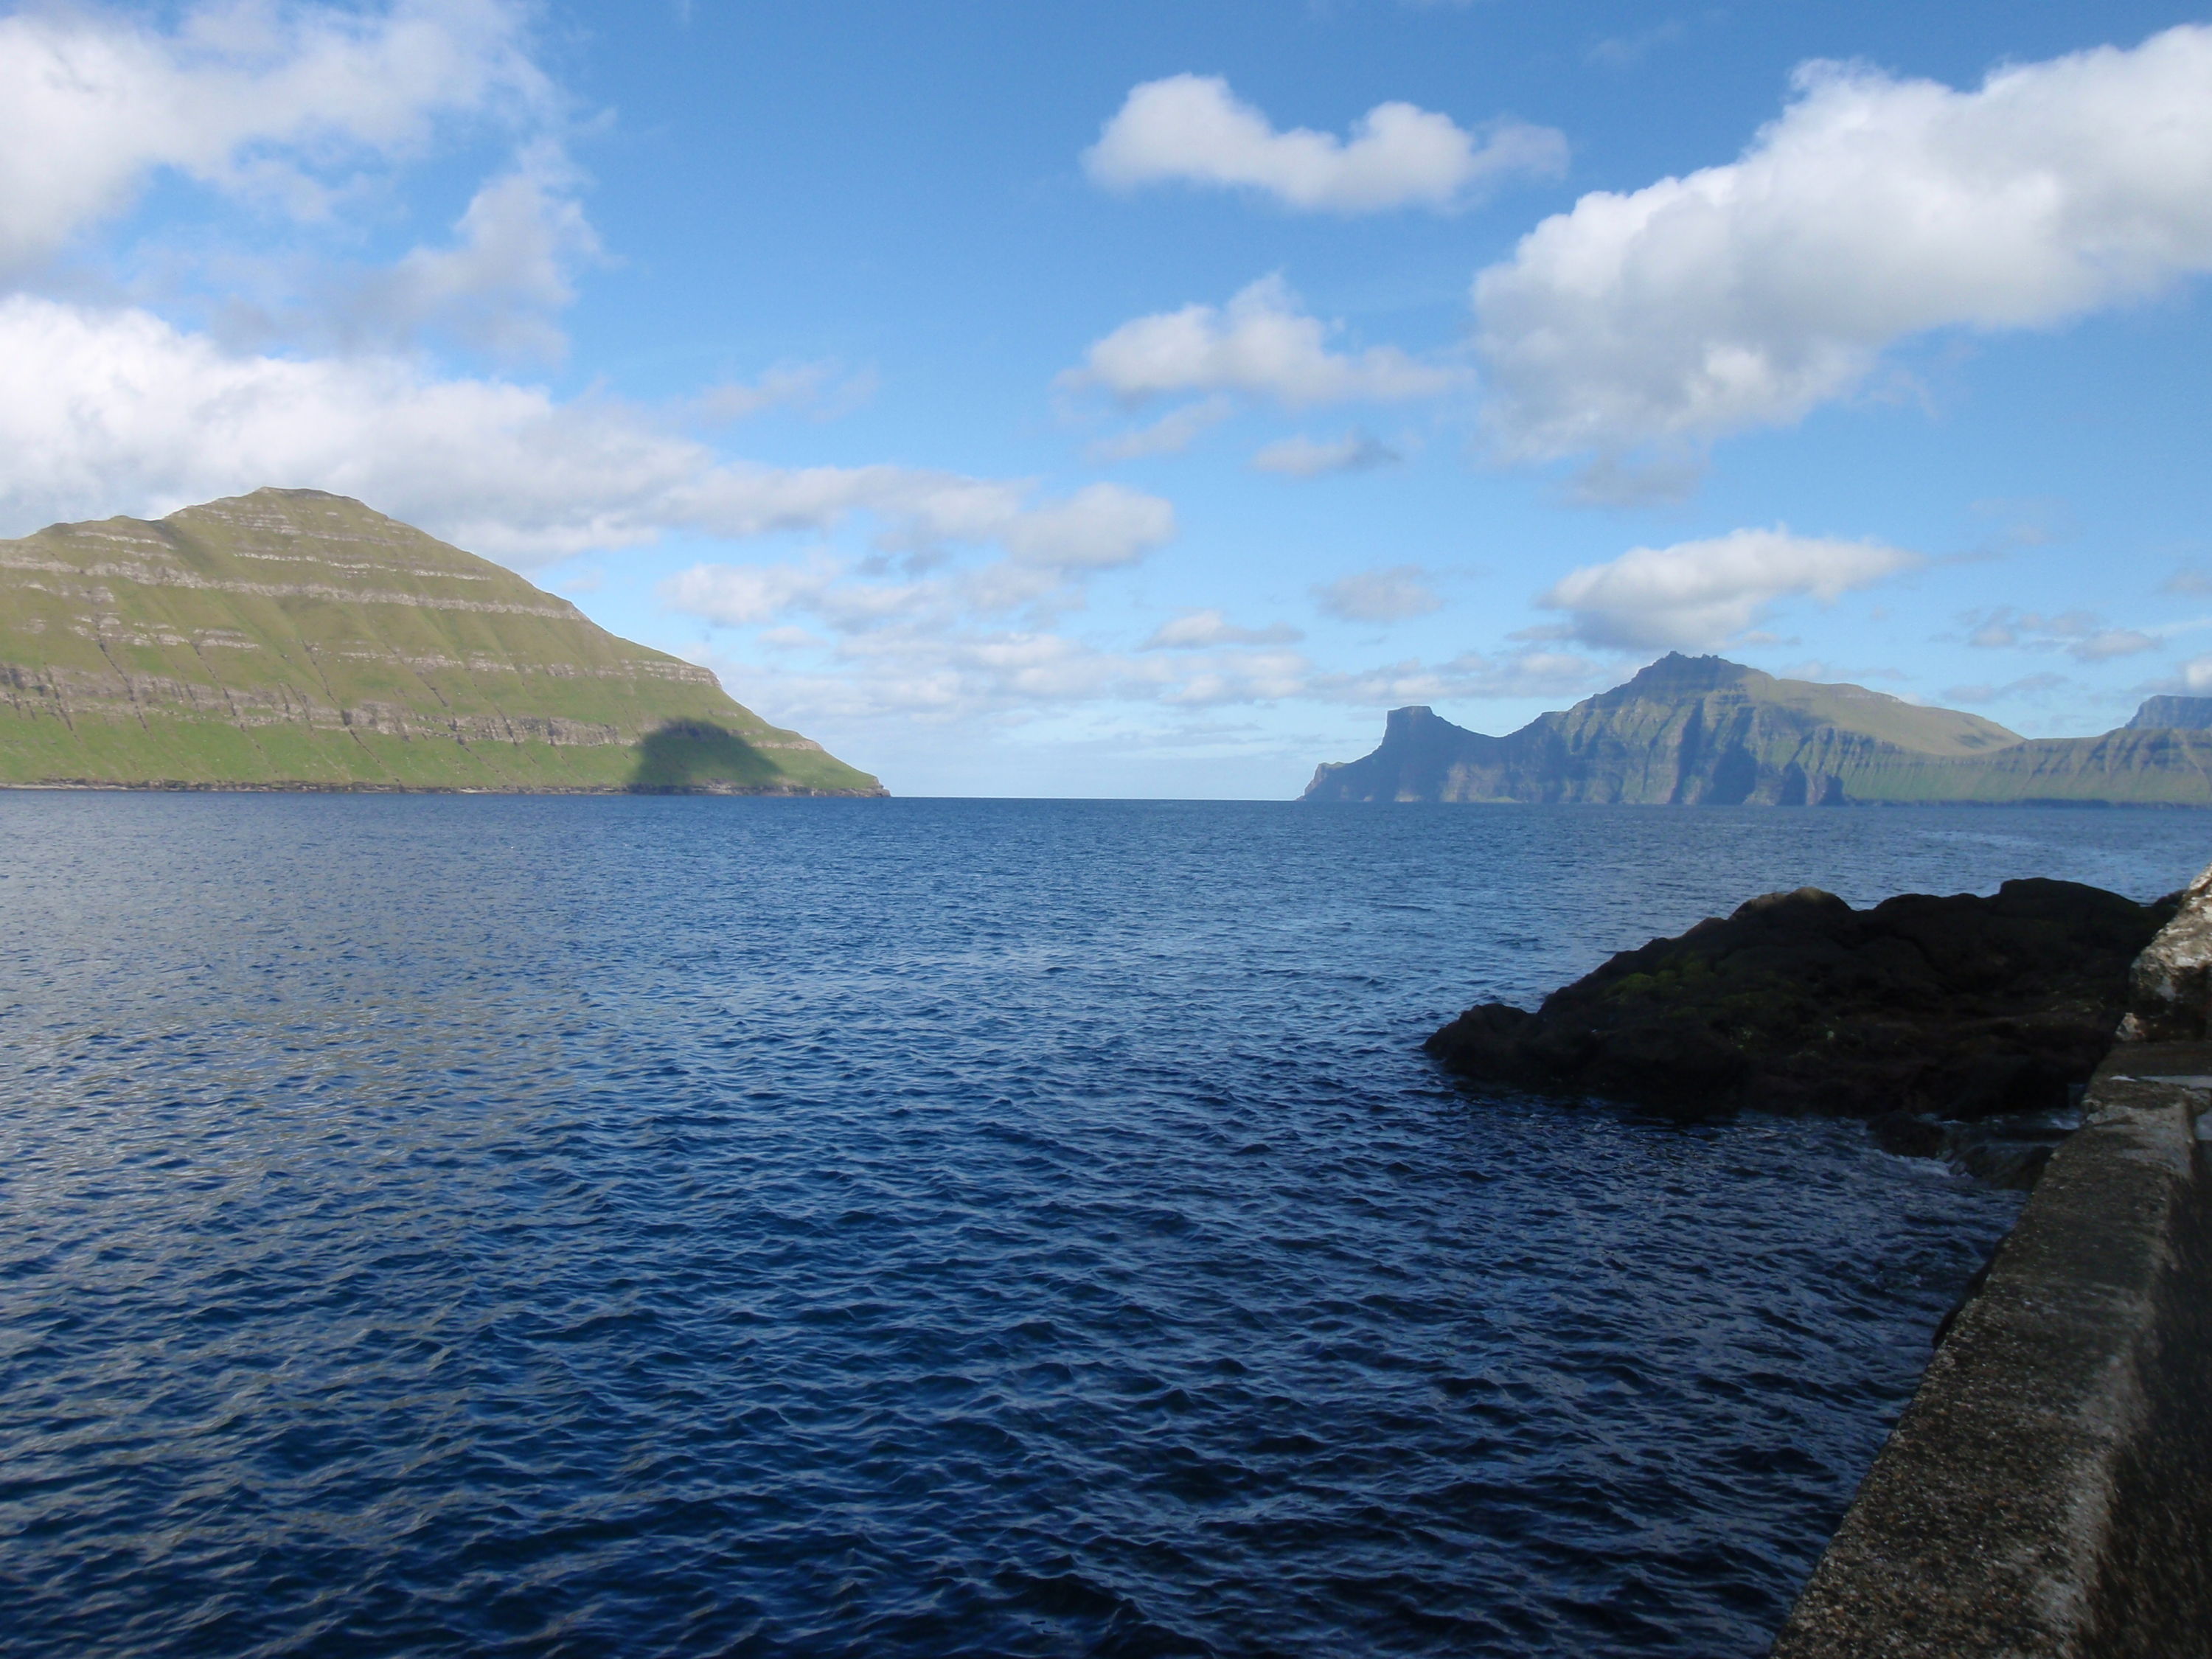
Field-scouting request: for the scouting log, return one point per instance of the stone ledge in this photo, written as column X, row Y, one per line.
column 2047, row 1491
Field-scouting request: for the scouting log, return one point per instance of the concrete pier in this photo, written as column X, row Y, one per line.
column 2049, row 1490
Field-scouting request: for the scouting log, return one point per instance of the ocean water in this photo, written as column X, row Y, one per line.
column 630, row 1227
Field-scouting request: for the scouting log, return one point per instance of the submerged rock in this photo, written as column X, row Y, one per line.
column 1918, row 1011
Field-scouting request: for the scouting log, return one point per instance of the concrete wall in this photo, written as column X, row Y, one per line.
column 2049, row 1490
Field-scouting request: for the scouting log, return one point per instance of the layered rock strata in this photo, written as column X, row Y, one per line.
column 294, row 639
column 1702, row 732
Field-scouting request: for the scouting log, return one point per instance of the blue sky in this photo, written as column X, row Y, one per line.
column 1130, row 398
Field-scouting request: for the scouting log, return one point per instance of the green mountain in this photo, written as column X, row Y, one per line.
column 1699, row 731
column 290, row 639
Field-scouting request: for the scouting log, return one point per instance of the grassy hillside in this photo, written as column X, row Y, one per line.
column 293, row 639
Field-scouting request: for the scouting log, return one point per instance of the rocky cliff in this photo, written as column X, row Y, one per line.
column 290, row 639
column 2174, row 713
column 1700, row 731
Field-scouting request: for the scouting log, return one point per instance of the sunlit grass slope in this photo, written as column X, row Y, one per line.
column 294, row 639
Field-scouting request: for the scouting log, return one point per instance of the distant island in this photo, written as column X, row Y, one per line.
column 294, row 639
column 1703, row 731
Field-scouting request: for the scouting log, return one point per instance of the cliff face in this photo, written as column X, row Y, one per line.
column 294, row 639
column 2174, row 713
column 1699, row 731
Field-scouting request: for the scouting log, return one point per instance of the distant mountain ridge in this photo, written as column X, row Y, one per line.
column 2173, row 714
column 1702, row 731
column 292, row 639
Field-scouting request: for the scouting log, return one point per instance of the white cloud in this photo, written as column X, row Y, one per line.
column 1313, row 458
column 750, row 595
column 508, row 270
column 904, row 674
column 2081, row 634
column 1697, row 595
column 1172, row 433
column 1874, row 209
column 925, row 659
column 1193, row 630
column 1380, row 595
column 109, row 411
column 251, row 97
column 1261, row 344
column 1099, row 527
column 1050, row 553
column 1192, row 129
column 898, row 677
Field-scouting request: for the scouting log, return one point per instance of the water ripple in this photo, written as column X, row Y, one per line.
column 544, row 1227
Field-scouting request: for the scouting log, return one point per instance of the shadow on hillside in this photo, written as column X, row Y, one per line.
column 685, row 755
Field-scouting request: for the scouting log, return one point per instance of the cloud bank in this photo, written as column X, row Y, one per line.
column 99, row 408
column 267, row 101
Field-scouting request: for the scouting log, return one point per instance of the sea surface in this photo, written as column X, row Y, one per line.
column 631, row 1227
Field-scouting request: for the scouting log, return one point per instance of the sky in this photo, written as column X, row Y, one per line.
column 1140, row 397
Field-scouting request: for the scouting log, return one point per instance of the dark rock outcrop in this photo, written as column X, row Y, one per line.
column 1920, row 1009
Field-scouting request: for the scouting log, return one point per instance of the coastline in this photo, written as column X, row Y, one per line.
column 183, row 788
column 2048, row 1492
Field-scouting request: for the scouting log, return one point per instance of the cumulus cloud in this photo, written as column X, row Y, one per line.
column 1262, row 344
column 1192, row 631
column 1191, row 129
column 1379, row 596
column 101, row 409
column 2081, row 634
column 1314, row 457
column 1099, row 527
column 1872, row 209
column 263, row 100
column 1696, row 595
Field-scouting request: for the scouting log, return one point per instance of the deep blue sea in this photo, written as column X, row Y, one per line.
column 633, row 1227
